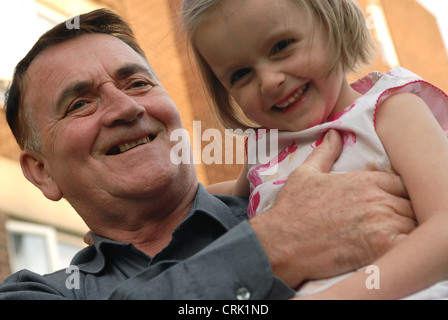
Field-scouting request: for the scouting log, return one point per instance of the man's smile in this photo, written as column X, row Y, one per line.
column 126, row 146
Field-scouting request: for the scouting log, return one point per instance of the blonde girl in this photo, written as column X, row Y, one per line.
column 283, row 65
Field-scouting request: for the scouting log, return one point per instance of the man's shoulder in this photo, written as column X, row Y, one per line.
column 221, row 206
column 26, row 284
column 237, row 205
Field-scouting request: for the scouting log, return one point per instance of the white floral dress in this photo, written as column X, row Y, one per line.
column 362, row 150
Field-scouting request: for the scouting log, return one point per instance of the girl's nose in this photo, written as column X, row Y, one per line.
column 271, row 80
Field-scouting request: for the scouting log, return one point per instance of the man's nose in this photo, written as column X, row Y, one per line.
column 271, row 80
column 120, row 108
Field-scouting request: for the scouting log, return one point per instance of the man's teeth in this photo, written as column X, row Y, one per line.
column 127, row 146
column 296, row 97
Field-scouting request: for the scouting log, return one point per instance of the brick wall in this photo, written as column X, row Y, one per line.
column 417, row 41
column 8, row 145
column 4, row 260
column 416, row 36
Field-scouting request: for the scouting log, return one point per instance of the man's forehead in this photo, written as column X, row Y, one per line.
column 85, row 59
column 87, row 50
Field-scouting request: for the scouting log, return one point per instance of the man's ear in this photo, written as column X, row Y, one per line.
column 33, row 167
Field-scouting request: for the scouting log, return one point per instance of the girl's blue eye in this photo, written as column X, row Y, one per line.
column 282, row 45
column 239, row 74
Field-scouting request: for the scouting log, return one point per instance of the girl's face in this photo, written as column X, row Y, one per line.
column 274, row 62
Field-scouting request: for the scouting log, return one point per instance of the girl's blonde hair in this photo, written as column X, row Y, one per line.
column 349, row 40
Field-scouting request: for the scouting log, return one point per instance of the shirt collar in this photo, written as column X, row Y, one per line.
column 92, row 259
column 226, row 210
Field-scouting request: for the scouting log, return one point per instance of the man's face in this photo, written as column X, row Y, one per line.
column 105, row 123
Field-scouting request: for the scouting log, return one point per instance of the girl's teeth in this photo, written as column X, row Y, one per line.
column 293, row 99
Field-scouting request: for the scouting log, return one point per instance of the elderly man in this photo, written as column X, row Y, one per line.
column 94, row 126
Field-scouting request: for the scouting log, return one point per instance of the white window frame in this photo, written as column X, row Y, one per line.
column 48, row 233
column 376, row 20
column 3, row 86
column 54, row 11
column 53, row 17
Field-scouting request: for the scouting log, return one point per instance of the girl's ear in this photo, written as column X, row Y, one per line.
column 34, row 169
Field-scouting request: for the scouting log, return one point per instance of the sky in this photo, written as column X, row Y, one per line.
column 439, row 8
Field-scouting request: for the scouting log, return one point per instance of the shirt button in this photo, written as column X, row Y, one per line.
column 243, row 294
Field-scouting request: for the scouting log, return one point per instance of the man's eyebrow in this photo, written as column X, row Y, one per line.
column 71, row 91
column 133, row 68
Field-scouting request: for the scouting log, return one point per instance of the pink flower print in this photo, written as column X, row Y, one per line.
column 339, row 114
column 254, row 179
column 348, row 138
column 291, row 149
column 280, row 182
column 260, row 133
column 254, row 175
column 364, row 84
column 254, row 202
column 320, row 140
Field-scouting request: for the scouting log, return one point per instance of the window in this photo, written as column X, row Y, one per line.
column 25, row 20
column 39, row 248
column 377, row 21
column 22, row 22
column 3, row 87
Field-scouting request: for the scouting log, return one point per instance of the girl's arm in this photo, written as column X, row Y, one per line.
column 418, row 150
column 225, row 187
column 239, row 187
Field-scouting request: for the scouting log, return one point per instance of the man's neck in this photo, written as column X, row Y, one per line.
column 153, row 233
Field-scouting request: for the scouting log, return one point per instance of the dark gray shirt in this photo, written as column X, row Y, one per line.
column 213, row 254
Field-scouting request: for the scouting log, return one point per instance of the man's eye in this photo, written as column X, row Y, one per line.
column 77, row 105
column 282, row 45
column 238, row 75
column 139, row 84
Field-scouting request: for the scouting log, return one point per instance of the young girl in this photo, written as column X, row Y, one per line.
column 284, row 64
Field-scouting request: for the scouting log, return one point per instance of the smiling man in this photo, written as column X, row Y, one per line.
column 94, row 126
column 108, row 132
